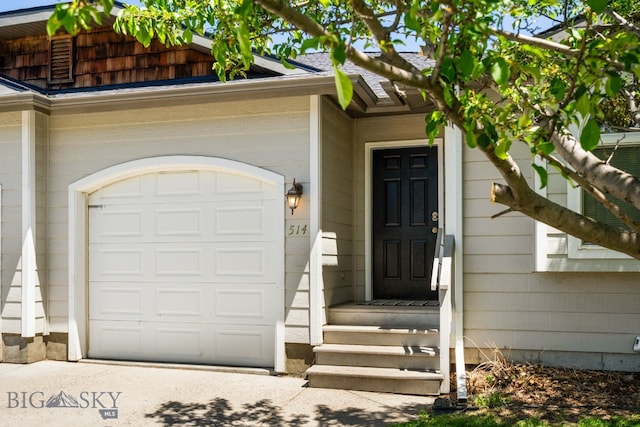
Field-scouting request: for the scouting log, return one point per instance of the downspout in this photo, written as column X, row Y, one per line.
column 454, row 226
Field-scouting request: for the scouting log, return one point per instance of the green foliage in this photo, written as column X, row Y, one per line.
column 77, row 15
column 590, row 135
column 344, row 87
column 470, row 419
column 495, row 399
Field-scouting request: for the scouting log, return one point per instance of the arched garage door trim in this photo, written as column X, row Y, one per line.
column 78, row 228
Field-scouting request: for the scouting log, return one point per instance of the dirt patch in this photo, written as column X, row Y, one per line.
column 517, row 391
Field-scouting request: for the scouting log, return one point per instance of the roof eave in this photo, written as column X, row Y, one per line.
column 121, row 98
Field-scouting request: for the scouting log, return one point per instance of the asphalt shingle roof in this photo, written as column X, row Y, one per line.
column 322, row 62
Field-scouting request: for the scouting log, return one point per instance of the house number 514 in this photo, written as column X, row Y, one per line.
column 297, row 230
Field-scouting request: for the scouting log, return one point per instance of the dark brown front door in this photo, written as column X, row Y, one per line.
column 405, row 212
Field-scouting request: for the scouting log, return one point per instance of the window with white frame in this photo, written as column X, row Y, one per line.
column 626, row 157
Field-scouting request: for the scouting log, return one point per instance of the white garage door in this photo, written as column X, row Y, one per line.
column 186, row 267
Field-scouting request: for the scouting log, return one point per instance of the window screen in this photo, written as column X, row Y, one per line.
column 627, row 159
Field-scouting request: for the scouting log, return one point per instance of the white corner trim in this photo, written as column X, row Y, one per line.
column 78, row 233
column 28, row 256
column 540, row 229
column 369, row 147
column 454, row 220
column 1, row 287
column 316, row 283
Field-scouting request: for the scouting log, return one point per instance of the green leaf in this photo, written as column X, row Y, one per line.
column 96, row 15
column 52, row 25
column 557, row 88
column 598, row 6
column 484, row 140
column 525, row 119
column 448, row 70
column 614, row 84
column 500, row 72
column 590, row 135
column 286, row 64
column 307, row 44
column 339, row 54
column 542, row 173
column 411, row 22
column 344, row 87
column 448, row 96
column 502, row 148
column 583, row 104
column 245, row 45
column 433, row 127
column 245, row 8
column 546, row 148
column 533, row 50
column 471, row 139
column 467, row 63
column 107, row 5
column 187, row 35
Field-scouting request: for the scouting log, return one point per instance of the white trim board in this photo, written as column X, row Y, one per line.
column 28, row 256
column 78, row 228
column 316, row 283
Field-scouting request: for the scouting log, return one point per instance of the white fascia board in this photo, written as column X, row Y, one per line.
column 322, row 84
column 302, row 85
column 26, row 17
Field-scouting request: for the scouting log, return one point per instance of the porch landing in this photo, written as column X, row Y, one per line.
column 384, row 346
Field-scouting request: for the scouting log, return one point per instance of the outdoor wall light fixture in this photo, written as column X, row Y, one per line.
column 293, row 195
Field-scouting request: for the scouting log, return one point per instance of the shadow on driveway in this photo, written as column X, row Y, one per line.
column 220, row 413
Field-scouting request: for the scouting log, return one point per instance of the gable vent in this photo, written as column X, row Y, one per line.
column 61, row 59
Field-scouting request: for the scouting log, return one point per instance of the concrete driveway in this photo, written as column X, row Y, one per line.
column 110, row 394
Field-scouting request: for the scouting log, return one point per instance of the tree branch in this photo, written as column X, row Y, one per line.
column 444, row 42
column 632, row 104
column 568, row 221
column 623, row 22
column 396, row 22
column 574, row 78
column 609, row 179
column 536, row 41
column 594, row 192
column 381, row 34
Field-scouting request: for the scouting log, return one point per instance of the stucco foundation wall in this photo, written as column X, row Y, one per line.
column 562, row 318
column 268, row 133
column 11, row 216
column 337, row 204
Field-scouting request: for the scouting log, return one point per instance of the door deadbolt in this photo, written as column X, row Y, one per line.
column 434, row 216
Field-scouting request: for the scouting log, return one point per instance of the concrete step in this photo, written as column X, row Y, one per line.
column 386, row 380
column 385, row 316
column 380, row 356
column 376, row 335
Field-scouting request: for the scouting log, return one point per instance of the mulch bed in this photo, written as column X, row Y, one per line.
column 518, row 391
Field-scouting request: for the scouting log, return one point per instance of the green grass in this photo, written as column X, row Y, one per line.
column 495, row 399
column 488, row 420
